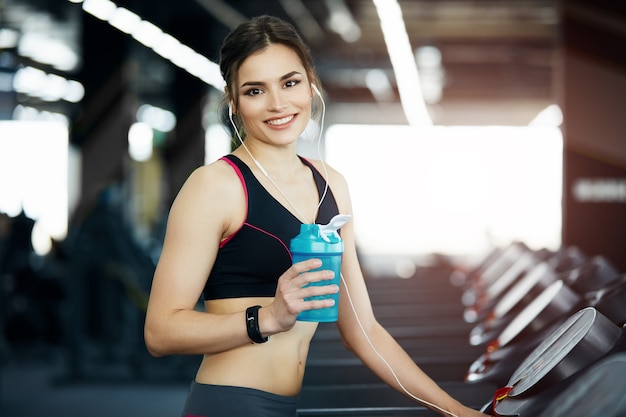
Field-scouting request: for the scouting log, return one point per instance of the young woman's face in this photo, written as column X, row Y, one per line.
column 274, row 95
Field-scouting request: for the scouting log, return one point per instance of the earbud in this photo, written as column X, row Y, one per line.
column 317, row 91
column 230, row 109
column 314, row 87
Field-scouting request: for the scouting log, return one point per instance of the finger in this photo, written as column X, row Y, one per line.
column 318, row 290
column 317, row 304
column 313, row 277
column 307, row 265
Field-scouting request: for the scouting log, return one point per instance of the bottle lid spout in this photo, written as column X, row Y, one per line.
column 330, row 229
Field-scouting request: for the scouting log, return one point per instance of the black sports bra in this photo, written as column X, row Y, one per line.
column 249, row 263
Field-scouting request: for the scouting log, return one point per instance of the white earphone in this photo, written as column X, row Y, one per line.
column 314, row 87
column 258, row 164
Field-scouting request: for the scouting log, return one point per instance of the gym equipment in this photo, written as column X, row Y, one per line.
column 584, row 338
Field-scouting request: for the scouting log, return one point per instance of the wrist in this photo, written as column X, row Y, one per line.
column 268, row 325
column 252, row 325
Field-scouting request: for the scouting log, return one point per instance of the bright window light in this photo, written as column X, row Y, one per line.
column 140, row 136
column 550, row 116
column 34, row 172
column 451, row 190
column 216, row 143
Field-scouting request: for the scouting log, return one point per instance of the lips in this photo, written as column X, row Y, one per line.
column 282, row 121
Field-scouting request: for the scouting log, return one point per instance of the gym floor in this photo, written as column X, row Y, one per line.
column 36, row 388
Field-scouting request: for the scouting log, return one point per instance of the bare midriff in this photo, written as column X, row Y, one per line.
column 276, row 366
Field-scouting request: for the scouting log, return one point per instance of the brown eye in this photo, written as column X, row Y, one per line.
column 254, row 92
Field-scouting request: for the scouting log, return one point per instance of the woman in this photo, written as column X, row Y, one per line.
column 227, row 238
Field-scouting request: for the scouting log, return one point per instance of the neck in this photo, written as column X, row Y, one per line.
column 278, row 162
column 282, row 167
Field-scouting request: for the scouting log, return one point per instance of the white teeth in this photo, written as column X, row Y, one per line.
column 277, row 122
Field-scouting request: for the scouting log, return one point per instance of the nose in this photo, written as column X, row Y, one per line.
column 277, row 102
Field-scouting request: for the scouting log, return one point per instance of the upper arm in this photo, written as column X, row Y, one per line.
column 199, row 219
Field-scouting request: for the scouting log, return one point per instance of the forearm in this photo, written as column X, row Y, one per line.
column 194, row 332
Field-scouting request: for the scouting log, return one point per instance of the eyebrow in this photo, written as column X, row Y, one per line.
column 261, row 83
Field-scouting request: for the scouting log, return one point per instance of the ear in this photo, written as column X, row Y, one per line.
column 231, row 108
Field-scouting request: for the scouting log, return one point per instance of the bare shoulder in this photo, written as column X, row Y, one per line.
column 208, row 180
column 211, row 192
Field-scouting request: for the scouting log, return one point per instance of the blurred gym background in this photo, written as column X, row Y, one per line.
column 463, row 127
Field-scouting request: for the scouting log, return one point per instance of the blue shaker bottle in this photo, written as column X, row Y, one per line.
column 321, row 242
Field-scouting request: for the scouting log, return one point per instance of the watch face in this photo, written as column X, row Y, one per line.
column 600, row 391
column 587, row 332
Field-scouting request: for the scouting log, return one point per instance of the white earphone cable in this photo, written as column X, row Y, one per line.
column 319, row 142
column 258, row 164
column 380, row 356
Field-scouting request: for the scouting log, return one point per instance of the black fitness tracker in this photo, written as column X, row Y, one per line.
column 252, row 325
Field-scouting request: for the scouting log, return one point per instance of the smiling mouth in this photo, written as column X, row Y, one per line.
column 281, row 121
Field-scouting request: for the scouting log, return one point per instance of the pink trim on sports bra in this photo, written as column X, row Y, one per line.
column 272, row 236
column 245, row 191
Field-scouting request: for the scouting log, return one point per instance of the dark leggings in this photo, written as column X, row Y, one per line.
column 205, row 400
